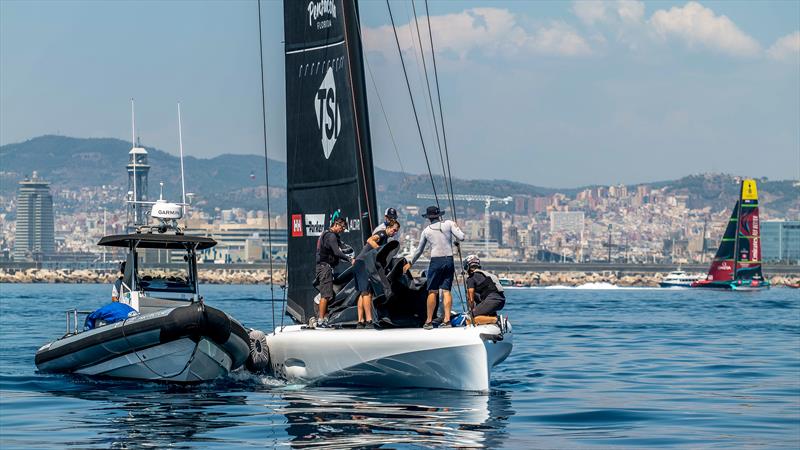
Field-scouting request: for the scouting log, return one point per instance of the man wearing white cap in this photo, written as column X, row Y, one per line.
column 388, row 216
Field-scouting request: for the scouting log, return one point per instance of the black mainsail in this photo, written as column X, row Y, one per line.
column 328, row 150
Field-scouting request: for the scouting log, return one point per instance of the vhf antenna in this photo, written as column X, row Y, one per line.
column 133, row 143
column 183, row 184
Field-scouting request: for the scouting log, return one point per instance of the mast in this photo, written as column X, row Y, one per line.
column 738, row 232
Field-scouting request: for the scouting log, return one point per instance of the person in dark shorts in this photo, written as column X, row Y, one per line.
column 361, row 275
column 442, row 235
column 484, row 291
column 329, row 252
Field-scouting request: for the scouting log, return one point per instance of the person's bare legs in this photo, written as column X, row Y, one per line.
column 323, row 308
column 360, row 308
column 431, row 304
column 448, row 303
column 368, row 306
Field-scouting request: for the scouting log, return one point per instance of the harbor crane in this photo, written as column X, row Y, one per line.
column 486, row 199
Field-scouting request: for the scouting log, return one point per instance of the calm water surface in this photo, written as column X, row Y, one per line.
column 633, row 368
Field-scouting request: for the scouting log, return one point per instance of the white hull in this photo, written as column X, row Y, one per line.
column 443, row 358
column 180, row 361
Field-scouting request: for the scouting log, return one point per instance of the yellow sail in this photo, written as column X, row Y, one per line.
column 749, row 190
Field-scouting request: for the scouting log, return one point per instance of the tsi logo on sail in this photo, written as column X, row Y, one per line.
column 328, row 113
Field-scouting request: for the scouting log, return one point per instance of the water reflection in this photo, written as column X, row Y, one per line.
column 125, row 415
column 370, row 418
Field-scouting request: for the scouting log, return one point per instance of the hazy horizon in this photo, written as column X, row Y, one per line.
column 555, row 94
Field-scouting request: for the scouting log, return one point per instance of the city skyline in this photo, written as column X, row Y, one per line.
column 584, row 93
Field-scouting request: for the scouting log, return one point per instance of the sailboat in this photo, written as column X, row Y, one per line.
column 330, row 174
column 737, row 263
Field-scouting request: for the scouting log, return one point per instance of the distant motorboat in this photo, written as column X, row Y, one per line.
column 679, row 278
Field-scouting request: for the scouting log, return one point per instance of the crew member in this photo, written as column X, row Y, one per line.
column 116, row 289
column 388, row 216
column 484, row 291
column 329, row 252
column 442, row 235
column 361, row 275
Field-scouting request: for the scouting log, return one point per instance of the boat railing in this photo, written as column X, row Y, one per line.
column 72, row 320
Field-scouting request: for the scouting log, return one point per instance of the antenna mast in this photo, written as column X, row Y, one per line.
column 133, row 144
column 180, row 146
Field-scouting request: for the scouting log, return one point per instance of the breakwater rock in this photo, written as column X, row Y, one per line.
column 260, row 276
column 99, row 276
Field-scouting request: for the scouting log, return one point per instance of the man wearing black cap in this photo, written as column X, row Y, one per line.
column 388, row 216
column 329, row 252
column 442, row 235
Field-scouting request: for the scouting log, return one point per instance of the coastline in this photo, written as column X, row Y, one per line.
column 261, row 276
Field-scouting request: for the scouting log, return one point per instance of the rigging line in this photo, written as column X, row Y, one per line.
column 433, row 109
column 449, row 174
column 266, row 167
column 386, row 119
column 413, row 106
column 441, row 113
column 370, row 217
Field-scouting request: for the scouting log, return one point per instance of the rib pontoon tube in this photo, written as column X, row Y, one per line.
column 188, row 344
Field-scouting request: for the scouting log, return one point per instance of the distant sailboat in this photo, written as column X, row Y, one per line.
column 737, row 264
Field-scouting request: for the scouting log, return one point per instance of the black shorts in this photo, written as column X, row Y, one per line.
column 362, row 277
column 488, row 306
column 324, row 280
column 440, row 273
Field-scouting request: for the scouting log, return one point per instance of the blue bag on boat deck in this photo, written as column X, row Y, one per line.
column 113, row 312
column 459, row 320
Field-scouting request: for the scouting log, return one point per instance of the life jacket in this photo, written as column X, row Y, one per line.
column 490, row 284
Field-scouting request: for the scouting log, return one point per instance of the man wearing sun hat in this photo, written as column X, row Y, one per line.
column 442, row 235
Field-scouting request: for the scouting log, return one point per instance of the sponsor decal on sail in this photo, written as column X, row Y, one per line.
column 328, row 118
column 315, row 224
column 320, row 14
column 725, row 266
column 297, row 225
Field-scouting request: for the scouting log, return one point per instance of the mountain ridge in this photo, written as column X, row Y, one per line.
column 235, row 180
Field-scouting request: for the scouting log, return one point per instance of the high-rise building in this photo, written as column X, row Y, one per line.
column 780, row 241
column 496, row 230
column 35, row 235
column 139, row 168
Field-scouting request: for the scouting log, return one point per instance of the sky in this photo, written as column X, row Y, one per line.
column 552, row 93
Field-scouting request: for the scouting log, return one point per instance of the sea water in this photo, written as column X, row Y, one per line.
column 610, row 368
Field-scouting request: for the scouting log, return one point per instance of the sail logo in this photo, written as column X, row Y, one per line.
column 297, row 225
column 725, row 266
column 327, row 108
column 319, row 9
column 315, row 224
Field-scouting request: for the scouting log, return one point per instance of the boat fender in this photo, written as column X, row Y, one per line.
column 258, row 359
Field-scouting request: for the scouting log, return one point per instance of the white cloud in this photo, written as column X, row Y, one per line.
column 590, row 11
column 786, row 48
column 491, row 31
column 699, row 26
column 631, row 11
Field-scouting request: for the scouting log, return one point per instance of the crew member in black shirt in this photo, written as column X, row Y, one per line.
column 329, row 252
column 484, row 291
